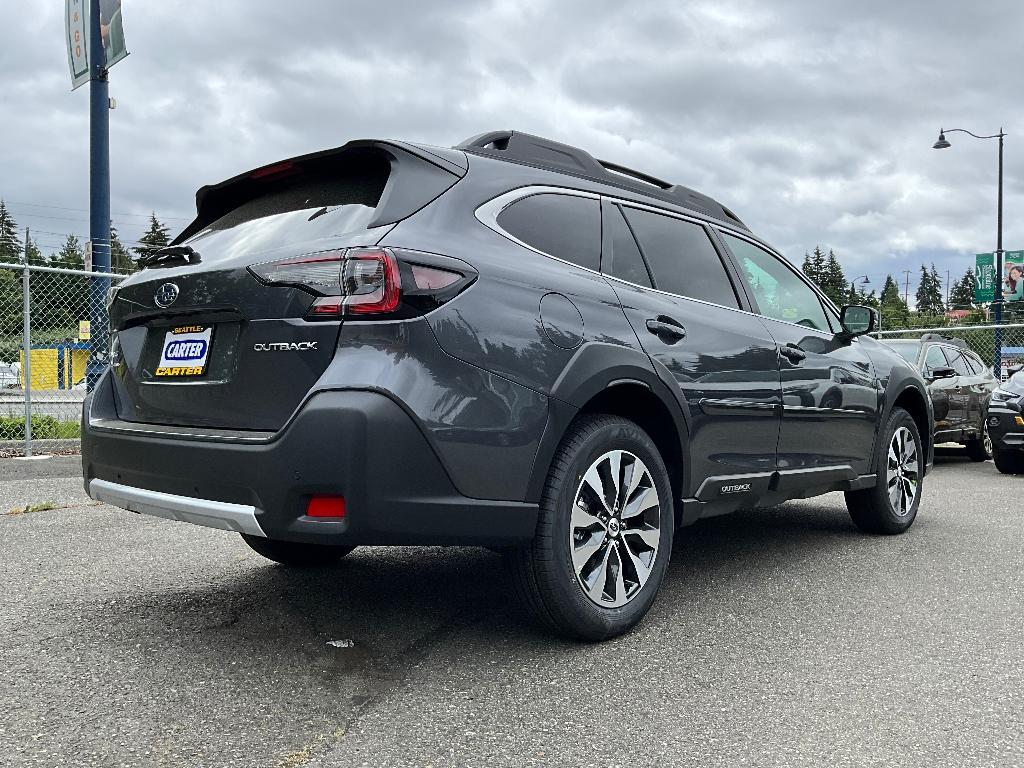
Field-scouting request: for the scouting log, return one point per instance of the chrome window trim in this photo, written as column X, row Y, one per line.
column 487, row 214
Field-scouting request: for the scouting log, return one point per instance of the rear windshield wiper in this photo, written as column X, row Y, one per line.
column 171, row 254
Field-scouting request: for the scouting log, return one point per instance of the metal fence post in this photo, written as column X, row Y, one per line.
column 26, row 341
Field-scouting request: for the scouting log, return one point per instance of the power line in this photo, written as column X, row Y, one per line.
column 86, row 210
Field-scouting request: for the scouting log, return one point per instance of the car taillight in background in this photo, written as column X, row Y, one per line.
column 370, row 282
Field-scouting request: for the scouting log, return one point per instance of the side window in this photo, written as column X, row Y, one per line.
column 565, row 226
column 935, row 359
column 779, row 293
column 624, row 261
column 976, row 363
column 681, row 257
column 957, row 362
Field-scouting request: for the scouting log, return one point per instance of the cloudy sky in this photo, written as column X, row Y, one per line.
column 812, row 119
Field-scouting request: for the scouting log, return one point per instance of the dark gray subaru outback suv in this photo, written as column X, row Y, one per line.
column 507, row 343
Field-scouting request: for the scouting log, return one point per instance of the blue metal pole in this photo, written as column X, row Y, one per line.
column 99, row 197
column 998, row 302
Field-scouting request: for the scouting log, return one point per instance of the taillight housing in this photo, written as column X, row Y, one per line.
column 370, row 283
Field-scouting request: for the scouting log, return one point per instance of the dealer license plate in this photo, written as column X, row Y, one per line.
column 185, row 352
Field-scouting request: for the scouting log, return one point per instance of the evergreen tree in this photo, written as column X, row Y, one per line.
column 833, row 281
column 120, row 259
column 891, row 305
column 929, row 293
column 34, row 255
column 961, row 294
column 155, row 237
column 10, row 245
column 71, row 255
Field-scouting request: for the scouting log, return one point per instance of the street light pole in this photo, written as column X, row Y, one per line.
column 997, row 295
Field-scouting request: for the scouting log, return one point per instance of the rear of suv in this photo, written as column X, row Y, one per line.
column 508, row 344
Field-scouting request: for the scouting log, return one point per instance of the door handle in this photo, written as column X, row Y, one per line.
column 793, row 353
column 666, row 329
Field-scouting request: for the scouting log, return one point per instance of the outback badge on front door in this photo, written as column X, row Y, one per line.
column 185, row 352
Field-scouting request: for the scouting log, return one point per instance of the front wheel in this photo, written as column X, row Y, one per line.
column 980, row 449
column 295, row 553
column 1009, row 462
column 604, row 533
column 891, row 505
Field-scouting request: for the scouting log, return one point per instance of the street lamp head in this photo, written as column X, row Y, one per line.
column 941, row 143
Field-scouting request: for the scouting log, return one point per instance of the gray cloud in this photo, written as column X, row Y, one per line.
column 813, row 120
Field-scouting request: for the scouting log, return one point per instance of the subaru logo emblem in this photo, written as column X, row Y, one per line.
column 166, row 295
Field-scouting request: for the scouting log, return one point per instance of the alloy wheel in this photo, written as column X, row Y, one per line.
column 615, row 529
column 986, row 438
column 902, row 472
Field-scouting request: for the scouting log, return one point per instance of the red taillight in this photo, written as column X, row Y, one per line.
column 371, row 282
column 325, row 506
column 365, row 282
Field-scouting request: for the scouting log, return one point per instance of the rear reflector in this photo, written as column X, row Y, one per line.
column 326, row 506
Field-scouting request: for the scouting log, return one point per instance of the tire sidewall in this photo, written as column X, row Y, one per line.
column 893, row 521
column 599, row 621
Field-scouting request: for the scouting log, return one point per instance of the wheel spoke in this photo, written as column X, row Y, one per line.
column 596, row 584
column 639, row 566
column 646, row 499
column 649, row 536
column 581, row 518
column 620, row 579
column 583, row 553
column 595, row 483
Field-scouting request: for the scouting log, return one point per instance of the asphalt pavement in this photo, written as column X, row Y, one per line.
column 782, row 637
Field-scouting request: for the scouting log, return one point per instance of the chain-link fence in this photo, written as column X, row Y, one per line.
column 47, row 311
column 981, row 338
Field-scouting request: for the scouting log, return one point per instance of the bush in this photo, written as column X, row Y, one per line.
column 43, row 428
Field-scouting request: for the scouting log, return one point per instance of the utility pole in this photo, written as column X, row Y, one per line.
column 947, row 289
column 906, row 290
column 99, row 196
column 26, row 343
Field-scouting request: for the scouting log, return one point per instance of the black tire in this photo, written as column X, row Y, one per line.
column 980, row 449
column 1009, row 462
column 872, row 509
column 543, row 571
column 296, row 554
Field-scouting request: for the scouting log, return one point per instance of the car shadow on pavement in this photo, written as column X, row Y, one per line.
column 388, row 600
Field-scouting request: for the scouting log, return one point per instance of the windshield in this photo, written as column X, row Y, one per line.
column 907, row 349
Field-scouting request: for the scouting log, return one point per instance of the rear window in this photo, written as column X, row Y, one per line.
column 298, row 209
column 564, row 226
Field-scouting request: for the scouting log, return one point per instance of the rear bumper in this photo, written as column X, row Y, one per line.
column 358, row 444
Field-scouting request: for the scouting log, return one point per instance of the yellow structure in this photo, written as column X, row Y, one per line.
column 58, row 367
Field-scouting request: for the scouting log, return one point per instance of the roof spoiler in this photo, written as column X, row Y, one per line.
column 418, row 176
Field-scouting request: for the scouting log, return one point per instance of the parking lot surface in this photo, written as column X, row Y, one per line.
column 781, row 637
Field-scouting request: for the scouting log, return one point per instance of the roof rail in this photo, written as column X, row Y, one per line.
column 526, row 148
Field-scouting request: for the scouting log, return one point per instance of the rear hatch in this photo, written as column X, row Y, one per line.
column 201, row 341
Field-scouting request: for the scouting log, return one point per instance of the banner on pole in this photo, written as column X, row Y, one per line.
column 1012, row 278
column 76, row 23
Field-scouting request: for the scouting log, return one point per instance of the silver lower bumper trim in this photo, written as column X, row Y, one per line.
column 240, row 518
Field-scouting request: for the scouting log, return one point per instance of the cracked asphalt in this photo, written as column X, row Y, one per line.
column 782, row 637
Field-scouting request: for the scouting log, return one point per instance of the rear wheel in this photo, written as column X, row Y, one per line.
column 891, row 505
column 604, row 534
column 980, row 449
column 294, row 553
column 1009, row 462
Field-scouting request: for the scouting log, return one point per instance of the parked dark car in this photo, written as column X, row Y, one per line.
column 1006, row 424
column 960, row 385
column 507, row 343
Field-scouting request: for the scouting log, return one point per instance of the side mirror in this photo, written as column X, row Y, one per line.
column 857, row 320
column 941, row 373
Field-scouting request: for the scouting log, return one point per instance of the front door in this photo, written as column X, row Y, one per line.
column 830, row 397
column 722, row 359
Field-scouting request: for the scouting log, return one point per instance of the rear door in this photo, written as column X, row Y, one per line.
column 830, row 399
column 679, row 297
column 940, row 390
column 960, row 392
